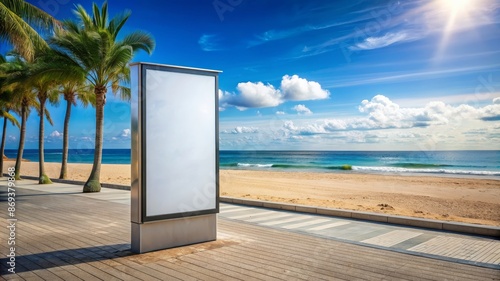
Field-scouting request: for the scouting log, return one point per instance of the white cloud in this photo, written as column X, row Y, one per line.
column 382, row 113
column 255, row 95
column 121, row 137
column 241, row 130
column 296, row 88
column 490, row 112
column 288, row 125
column 278, row 34
column 451, row 99
column 302, row 109
column 360, row 137
column 224, row 99
column 310, row 129
column 258, row 95
column 56, row 134
column 388, row 39
column 209, row 42
column 271, row 35
column 244, row 130
column 125, row 133
column 381, row 124
column 280, row 113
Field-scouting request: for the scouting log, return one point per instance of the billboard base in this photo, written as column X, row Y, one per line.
column 164, row 234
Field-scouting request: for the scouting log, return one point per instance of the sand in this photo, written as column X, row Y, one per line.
column 452, row 199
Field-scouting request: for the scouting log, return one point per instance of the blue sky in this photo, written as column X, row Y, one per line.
column 319, row 75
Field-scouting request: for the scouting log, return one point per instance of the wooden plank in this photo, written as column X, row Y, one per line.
column 253, row 269
column 271, row 263
column 60, row 241
column 206, row 273
column 68, row 259
column 374, row 257
column 178, row 275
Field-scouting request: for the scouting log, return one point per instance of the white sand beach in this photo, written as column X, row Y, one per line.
column 455, row 199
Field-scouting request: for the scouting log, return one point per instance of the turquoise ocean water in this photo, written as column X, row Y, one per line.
column 110, row 156
column 452, row 163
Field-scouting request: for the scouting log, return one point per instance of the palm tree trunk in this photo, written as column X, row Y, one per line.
column 64, row 164
column 2, row 146
column 93, row 184
column 43, row 178
column 19, row 157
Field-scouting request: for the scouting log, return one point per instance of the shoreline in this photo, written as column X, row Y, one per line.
column 468, row 200
column 359, row 172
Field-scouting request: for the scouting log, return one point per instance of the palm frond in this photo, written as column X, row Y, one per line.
column 96, row 17
column 116, row 24
column 17, row 32
column 54, row 97
column 10, row 117
column 83, row 16
column 86, row 96
column 125, row 92
column 91, row 48
column 69, row 26
column 32, row 14
column 18, row 20
column 103, row 16
column 47, row 116
column 118, row 57
column 31, row 102
column 16, row 72
column 140, row 40
column 56, row 65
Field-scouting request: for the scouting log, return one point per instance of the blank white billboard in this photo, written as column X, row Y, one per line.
column 175, row 162
column 180, row 142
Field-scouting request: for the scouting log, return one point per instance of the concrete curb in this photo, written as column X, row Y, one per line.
column 399, row 220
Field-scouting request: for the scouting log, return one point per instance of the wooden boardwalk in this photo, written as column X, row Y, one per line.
column 462, row 248
column 66, row 236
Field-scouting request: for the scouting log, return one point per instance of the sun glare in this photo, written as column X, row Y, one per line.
column 456, row 8
column 457, row 5
column 457, row 14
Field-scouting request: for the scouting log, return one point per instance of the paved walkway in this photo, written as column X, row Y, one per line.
column 62, row 234
column 461, row 248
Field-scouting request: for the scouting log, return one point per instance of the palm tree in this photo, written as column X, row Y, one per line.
column 59, row 67
column 73, row 87
column 18, row 21
column 20, row 96
column 19, row 78
column 43, row 86
column 91, row 48
column 6, row 105
column 72, row 91
column 50, row 64
column 27, row 101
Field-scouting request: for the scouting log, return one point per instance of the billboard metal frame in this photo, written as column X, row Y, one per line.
column 139, row 186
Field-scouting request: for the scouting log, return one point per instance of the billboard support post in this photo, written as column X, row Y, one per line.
column 175, row 162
